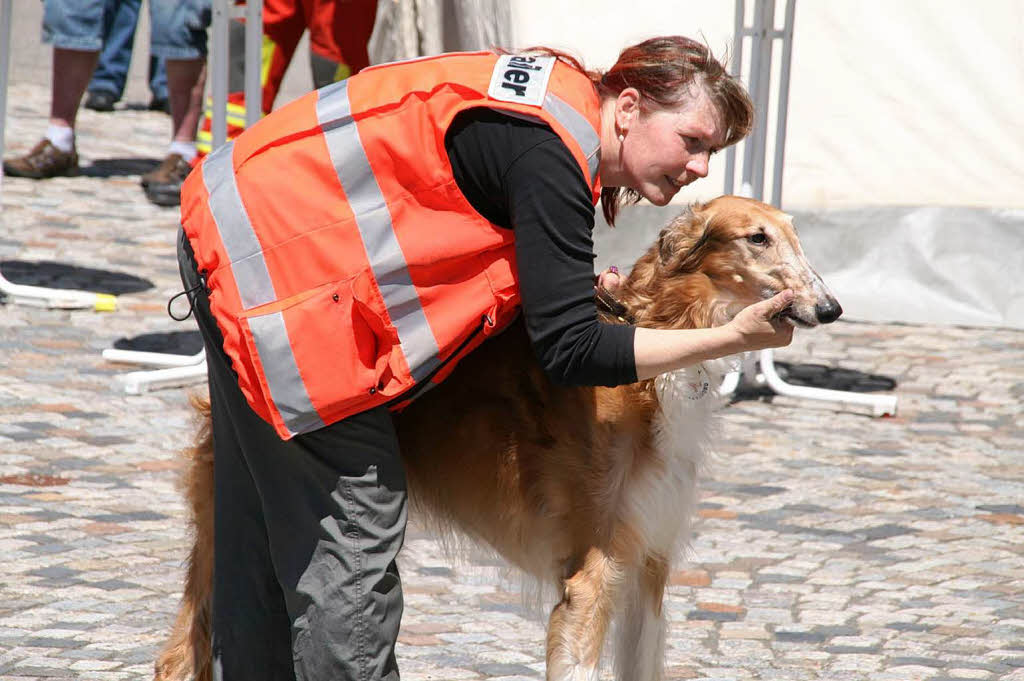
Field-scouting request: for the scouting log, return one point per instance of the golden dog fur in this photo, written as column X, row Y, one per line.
column 592, row 488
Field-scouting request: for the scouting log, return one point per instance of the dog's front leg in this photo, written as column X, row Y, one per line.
column 640, row 645
column 579, row 623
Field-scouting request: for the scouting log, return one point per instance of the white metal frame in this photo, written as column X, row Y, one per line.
column 155, row 359
column 763, row 34
column 6, row 18
column 139, row 382
column 56, row 298
column 178, row 370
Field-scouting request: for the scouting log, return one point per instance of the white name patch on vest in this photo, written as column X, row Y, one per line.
column 521, row 79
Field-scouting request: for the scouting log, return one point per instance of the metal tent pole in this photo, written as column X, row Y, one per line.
column 736, row 68
column 763, row 34
column 783, row 113
column 219, row 71
column 759, row 93
column 6, row 17
column 253, row 47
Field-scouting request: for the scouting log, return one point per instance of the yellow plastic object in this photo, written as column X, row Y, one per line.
column 105, row 302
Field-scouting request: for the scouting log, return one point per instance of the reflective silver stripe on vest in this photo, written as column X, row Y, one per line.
column 243, row 248
column 579, row 127
column 255, row 288
column 373, row 220
column 286, row 387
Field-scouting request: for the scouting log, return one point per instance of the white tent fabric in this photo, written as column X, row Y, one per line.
column 412, row 28
column 929, row 264
column 944, row 265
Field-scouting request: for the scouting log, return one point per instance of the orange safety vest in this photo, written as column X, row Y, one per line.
column 344, row 265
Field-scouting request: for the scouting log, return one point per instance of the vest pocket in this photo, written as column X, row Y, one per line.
column 323, row 354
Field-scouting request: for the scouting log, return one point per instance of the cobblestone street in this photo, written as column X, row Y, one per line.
column 830, row 545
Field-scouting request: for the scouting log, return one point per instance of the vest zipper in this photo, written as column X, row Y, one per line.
column 427, row 383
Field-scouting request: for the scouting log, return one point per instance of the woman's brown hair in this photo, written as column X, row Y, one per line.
column 663, row 70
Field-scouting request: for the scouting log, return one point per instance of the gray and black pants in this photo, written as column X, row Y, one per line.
column 307, row 532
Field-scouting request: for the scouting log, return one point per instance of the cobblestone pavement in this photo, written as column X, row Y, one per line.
column 831, row 545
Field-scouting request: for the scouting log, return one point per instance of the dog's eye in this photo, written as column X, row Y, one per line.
column 758, row 238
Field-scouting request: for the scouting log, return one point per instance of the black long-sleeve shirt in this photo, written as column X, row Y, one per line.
column 519, row 175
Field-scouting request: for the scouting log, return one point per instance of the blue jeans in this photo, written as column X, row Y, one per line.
column 179, row 28
column 119, row 20
column 74, row 24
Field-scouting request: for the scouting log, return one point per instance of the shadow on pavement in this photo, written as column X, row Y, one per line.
column 60, row 276
column 171, row 342
column 138, row 106
column 119, row 167
column 819, row 376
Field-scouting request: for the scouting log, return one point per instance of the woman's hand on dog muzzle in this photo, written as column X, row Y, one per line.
column 760, row 326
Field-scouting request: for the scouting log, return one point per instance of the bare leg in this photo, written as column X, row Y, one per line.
column 640, row 649
column 186, row 79
column 72, row 70
column 578, row 624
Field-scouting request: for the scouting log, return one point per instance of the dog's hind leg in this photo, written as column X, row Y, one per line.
column 640, row 640
column 187, row 655
column 579, row 623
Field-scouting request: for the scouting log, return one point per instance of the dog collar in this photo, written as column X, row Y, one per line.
column 607, row 302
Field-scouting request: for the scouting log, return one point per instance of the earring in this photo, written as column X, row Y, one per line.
column 621, row 137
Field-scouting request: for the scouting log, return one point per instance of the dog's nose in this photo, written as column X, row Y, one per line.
column 828, row 311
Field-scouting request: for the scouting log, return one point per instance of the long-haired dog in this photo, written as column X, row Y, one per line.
column 590, row 488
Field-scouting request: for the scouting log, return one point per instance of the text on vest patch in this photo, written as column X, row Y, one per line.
column 520, row 78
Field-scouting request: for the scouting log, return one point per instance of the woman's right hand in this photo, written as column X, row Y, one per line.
column 758, row 326
column 755, row 328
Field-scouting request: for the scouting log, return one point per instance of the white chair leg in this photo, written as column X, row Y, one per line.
column 881, row 405
column 155, row 359
column 56, row 298
column 139, row 382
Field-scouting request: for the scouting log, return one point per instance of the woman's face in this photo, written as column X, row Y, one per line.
column 663, row 150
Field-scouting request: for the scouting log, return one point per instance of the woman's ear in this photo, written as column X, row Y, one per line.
column 627, row 109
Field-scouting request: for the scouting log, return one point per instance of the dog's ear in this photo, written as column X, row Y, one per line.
column 683, row 244
column 666, row 245
column 672, row 237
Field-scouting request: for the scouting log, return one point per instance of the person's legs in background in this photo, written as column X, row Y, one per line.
column 158, row 85
column 179, row 36
column 120, row 18
column 75, row 28
column 284, row 22
column 339, row 33
column 283, row 26
column 338, row 37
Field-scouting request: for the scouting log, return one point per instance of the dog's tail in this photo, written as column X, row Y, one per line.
column 186, row 655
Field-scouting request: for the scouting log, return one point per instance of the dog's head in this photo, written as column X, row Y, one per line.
column 716, row 258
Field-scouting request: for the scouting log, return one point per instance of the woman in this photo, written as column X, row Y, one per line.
column 351, row 247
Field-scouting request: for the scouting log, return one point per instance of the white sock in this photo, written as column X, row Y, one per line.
column 187, row 150
column 61, row 137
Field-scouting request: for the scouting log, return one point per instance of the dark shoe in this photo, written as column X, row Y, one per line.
column 160, row 104
column 173, row 169
column 45, row 160
column 163, row 185
column 168, row 194
column 100, row 101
